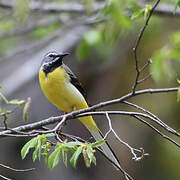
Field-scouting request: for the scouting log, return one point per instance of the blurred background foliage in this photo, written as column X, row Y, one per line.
column 100, row 36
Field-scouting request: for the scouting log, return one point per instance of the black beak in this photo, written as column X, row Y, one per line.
column 62, row 55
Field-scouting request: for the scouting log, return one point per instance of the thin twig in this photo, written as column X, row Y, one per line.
column 120, row 140
column 16, row 170
column 144, row 79
column 162, row 124
column 156, row 130
column 3, row 177
column 149, row 61
column 137, row 45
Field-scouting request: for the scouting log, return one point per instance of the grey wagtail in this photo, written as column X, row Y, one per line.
column 62, row 88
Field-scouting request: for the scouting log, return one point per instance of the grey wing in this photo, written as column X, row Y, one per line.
column 74, row 80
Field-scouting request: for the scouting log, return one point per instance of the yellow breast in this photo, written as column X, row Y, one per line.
column 64, row 95
column 60, row 91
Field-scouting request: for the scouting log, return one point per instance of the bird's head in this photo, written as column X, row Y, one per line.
column 51, row 61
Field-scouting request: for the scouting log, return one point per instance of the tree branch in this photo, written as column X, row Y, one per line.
column 16, row 170
column 53, row 120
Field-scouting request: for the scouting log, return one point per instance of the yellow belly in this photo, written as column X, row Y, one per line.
column 60, row 92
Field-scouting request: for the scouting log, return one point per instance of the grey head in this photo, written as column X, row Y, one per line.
column 51, row 61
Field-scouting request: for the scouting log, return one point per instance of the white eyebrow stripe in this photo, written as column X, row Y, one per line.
column 50, row 62
column 51, row 53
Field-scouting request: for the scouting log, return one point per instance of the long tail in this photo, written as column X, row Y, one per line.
column 106, row 148
column 96, row 133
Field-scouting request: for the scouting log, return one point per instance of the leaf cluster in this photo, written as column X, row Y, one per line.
column 13, row 101
column 53, row 153
column 115, row 22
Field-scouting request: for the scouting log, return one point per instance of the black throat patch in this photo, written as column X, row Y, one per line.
column 50, row 66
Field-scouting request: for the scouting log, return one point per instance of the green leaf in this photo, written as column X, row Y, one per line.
column 83, row 50
column 177, row 4
column 94, row 159
column 17, row 102
column 93, row 37
column 90, row 153
column 4, row 98
column 87, row 160
column 147, row 10
column 54, row 157
column 30, row 144
column 0, row 87
column 26, row 109
column 178, row 95
column 47, row 148
column 64, row 156
column 72, row 144
column 6, row 25
column 42, row 32
column 37, row 151
column 137, row 13
column 157, row 66
column 75, row 156
column 98, row 143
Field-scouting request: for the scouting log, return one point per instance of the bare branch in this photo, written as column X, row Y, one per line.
column 137, row 45
column 16, row 170
column 3, row 177
column 161, row 123
column 144, row 79
column 53, row 120
column 156, row 130
column 120, row 140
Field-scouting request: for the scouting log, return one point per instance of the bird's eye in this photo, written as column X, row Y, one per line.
column 51, row 55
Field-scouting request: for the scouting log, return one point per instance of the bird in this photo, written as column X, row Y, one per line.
column 63, row 89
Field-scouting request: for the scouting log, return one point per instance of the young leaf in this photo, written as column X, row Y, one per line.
column 178, row 95
column 83, row 50
column 30, row 144
column 147, row 10
column 16, row 101
column 98, row 143
column 90, row 153
column 46, row 148
column 4, row 98
column 72, row 145
column 26, row 109
column 37, row 151
column 87, row 161
column 177, row 4
column 75, row 156
column 64, row 156
column 93, row 37
column 54, row 157
column 137, row 13
column 94, row 159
